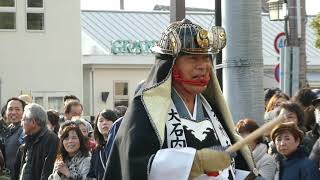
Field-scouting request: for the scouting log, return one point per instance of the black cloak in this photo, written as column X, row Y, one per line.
column 142, row 131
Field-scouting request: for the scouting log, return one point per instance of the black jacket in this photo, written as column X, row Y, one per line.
column 96, row 167
column 297, row 166
column 41, row 150
column 315, row 153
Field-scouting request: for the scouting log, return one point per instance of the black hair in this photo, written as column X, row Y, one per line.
column 120, row 110
column 16, row 99
column 70, row 97
column 53, row 117
column 304, row 97
column 107, row 114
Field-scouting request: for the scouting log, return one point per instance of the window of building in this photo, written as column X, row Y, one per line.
column 55, row 103
column 49, row 100
column 38, row 100
column 8, row 14
column 35, row 15
column 121, row 96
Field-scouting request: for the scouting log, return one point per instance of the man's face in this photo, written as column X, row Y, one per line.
column 76, row 110
column 27, row 124
column 286, row 143
column 14, row 111
column 193, row 67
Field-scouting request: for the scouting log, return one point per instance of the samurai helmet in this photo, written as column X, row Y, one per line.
column 184, row 37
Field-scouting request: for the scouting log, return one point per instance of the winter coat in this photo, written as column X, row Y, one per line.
column 296, row 166
column 12, row 143
column 78, row 166
column 313, row 135
column 265, row 163
column 35, row 158
column 315, row 153
column 3, row 133
column 111, row 136
column 97, row 164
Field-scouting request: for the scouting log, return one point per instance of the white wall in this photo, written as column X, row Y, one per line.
column 103, row 81
column 46, row 61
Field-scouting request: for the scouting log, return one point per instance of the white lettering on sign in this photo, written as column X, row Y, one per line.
column 132, row 47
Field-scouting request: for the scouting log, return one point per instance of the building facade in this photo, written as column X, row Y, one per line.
column 40, row 52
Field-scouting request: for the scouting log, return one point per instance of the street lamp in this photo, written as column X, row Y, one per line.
column 277, row 10
column 289, row 64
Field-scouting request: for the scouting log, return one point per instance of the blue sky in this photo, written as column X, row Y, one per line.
column 312, row 6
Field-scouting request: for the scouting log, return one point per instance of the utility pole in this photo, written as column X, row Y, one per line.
column 296, row 43
column 242, row 59
column 303, row 56
column 218, row 22
column 177, row 10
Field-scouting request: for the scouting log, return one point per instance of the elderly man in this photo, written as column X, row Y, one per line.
column 178, row 115
column 35, row 158
column 73, row 111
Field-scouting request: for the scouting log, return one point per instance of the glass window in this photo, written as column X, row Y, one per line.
column 49, row 99
column 39, row 100
column 121, row 93
column 35, row 16
column 7, row 20
column 7, row 3
column 35, row 3
column 121, row 88
column 35, row 21
column 7, row 14
column 55, row 103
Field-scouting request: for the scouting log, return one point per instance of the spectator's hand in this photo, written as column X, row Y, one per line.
column 63, row 169
column 207, row 160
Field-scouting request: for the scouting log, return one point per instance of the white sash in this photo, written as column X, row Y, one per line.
column 176, row 136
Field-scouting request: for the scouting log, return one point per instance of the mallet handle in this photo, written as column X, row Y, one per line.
column 255, row 134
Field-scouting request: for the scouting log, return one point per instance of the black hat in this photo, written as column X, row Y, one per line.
column 189, row 38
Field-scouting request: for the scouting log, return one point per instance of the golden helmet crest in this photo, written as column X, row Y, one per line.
column 188, row 38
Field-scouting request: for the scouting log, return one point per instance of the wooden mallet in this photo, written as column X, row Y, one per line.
column 257, row 133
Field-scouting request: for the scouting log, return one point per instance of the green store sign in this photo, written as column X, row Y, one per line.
column 132, row 47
